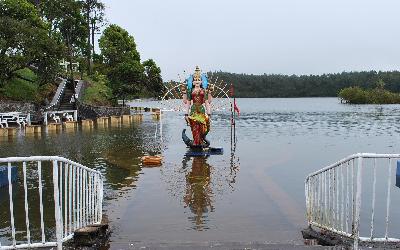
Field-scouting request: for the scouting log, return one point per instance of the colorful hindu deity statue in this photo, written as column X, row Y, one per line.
column 197, row 99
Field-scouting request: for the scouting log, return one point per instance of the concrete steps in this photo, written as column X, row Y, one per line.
column 65, row 100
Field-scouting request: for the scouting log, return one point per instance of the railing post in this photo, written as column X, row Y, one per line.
column 161, row 126
column 100, row 208
column 10, row 193
column 308, row 207
column 306, row 196
column 57, row 212
column 356, row 216
column 45, row 118
column 388, row 199
column 41, row 201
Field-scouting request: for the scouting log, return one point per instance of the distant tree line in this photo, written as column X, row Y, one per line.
column 326, row 85
column 38, row 34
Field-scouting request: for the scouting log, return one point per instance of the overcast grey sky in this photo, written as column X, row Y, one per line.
column 263, row 36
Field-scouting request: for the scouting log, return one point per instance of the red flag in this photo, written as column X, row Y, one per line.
column 235, row 107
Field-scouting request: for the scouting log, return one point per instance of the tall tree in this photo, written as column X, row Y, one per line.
column 67, row 24
column 117, row 46
column 24, row 42
column 94, row 15
column 71, row 26
column 124, row 70
column 154, row 82
column 97, row 22
column 126, row 79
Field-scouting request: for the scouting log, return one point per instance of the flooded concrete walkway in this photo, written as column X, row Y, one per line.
column 255, row 194
column 224, row 246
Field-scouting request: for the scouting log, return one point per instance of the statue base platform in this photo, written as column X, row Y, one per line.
column 199, row 151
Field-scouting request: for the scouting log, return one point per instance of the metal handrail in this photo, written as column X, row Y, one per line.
column 57, row 97
column 78, row 198
column 334, row 197
column 61, row 114
column 79, row 90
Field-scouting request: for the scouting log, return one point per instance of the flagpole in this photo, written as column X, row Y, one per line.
column 232, row 111
column 231, row 128
column 234, row 121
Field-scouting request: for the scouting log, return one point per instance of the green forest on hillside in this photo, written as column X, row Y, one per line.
column 37, row 36
column 326, row 85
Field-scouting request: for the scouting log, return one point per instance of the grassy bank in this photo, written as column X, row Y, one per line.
column 357, row 95
column 22, row 87
column 97, row 92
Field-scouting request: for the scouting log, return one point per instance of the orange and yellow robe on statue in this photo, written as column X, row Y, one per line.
column 198, row 119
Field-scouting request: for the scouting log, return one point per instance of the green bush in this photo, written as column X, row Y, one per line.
column 22, row 87
column 98, row 93
column 27, row 74
column 357, row 95
column 20, row 90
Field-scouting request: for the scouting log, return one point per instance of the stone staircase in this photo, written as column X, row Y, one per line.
column 65, row 103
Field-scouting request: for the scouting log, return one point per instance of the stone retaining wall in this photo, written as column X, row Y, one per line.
column 23, row 107
column 93, row 112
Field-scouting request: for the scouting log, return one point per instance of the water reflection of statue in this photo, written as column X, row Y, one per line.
column 198, row 195
column 197, row 99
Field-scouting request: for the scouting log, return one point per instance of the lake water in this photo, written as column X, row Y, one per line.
column 253, row 192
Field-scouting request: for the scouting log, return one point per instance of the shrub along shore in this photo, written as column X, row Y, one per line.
column 357, row 95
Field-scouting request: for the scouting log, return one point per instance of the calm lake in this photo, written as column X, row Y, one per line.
column 253, row 192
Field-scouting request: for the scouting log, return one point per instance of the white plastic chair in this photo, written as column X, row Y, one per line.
column 56, row 118
column 69, row 117
column 3, row 123
column 21, row 121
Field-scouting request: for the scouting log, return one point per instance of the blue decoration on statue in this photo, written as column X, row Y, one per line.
column 190, row 82
column 204, row 81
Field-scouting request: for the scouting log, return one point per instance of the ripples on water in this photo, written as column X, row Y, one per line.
column 243, row 196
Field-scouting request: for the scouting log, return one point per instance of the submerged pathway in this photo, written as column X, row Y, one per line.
column 223, row 246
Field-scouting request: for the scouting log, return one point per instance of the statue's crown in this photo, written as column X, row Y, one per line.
column 197, row 74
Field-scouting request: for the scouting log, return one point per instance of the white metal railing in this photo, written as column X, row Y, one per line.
column 57, row 97
column 79, row 90
column 334, row 197
column 59, row 116
column 19, row 118
column 76, row 200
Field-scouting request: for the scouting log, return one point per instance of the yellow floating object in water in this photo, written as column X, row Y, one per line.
column 149, row 160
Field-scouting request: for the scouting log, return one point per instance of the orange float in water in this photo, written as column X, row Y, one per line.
column 149, row 160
